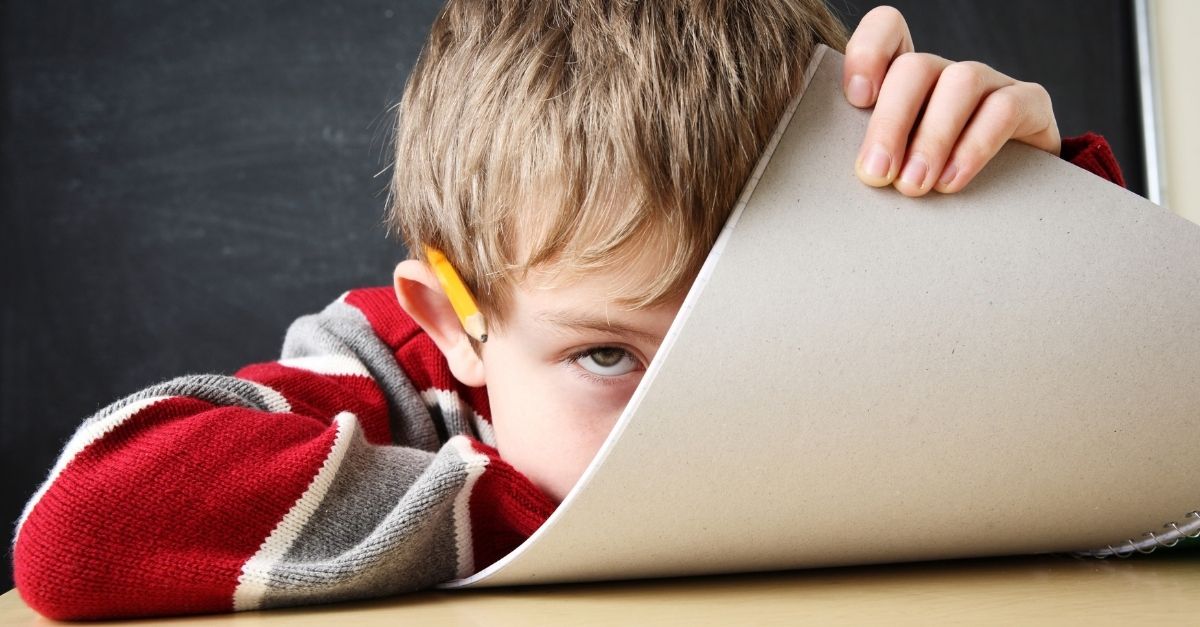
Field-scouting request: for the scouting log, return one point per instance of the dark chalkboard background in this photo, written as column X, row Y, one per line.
column 182, row 179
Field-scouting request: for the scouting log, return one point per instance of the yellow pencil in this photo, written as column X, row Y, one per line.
column 460, row 297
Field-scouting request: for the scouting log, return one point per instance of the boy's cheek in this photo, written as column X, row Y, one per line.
column 587, row 409
column 552, row 434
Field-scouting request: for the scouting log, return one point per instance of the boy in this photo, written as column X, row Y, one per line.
column 574, row 161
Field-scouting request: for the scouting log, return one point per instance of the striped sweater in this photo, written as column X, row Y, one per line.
column 354, row 466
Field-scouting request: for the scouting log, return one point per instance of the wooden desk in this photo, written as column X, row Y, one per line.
column 1164, row 588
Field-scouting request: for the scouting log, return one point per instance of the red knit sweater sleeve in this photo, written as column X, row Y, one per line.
column 352, row 467
column 1092, row 153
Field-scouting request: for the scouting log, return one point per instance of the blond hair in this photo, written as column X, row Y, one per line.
column 577, row 136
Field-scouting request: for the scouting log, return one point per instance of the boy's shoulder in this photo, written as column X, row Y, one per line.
column 415, row 352
column 390, row 322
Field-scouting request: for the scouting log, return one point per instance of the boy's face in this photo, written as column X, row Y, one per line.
column 561, row 371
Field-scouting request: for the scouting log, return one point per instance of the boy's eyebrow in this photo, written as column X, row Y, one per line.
column 573, row 320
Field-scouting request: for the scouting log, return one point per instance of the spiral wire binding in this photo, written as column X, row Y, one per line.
column 1149, row 541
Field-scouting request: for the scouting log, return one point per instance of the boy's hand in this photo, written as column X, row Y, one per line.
column 936, row 122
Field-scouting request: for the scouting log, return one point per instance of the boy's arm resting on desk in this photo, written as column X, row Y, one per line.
column 352, row 467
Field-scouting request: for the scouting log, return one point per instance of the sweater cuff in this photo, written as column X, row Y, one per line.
column 506, row 508
column 1091, row 152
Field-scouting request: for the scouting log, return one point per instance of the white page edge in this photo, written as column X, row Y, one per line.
column 673, row 331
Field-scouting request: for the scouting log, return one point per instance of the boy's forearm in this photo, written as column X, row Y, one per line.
column 280, row 486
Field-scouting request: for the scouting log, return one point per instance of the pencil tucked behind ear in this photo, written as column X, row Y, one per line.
column 421, row 295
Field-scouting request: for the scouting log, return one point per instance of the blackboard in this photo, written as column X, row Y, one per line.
column 180, row 180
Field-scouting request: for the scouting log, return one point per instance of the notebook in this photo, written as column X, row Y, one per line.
column 859, row 377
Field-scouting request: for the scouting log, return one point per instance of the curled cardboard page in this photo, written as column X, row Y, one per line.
column 860, row 377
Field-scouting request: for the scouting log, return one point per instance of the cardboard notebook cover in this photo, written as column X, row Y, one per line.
column 860, row 377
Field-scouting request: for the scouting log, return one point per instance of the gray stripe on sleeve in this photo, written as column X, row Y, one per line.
column 341, row 329
column 369, row 484
column 411, row 546
column 217, row 389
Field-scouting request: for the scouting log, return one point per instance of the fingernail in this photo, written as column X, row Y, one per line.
column 878, row 163
column 915, row 171
column 948, row 175
column 859, row 91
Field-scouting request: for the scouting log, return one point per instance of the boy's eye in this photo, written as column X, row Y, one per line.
column 607, row 361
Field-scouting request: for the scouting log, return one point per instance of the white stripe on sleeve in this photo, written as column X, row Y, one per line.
column 475, row 463
column 254, row 581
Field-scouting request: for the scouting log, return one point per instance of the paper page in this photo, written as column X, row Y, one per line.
column 861, row 377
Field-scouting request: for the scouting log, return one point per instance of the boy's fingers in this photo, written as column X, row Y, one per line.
column 1037, row 127
column 900, row 99
column 994, row 123
column 881, row 36
column 1020, row 111
column 958, row 92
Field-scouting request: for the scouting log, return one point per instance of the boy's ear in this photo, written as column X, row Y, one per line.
column 421, row 295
